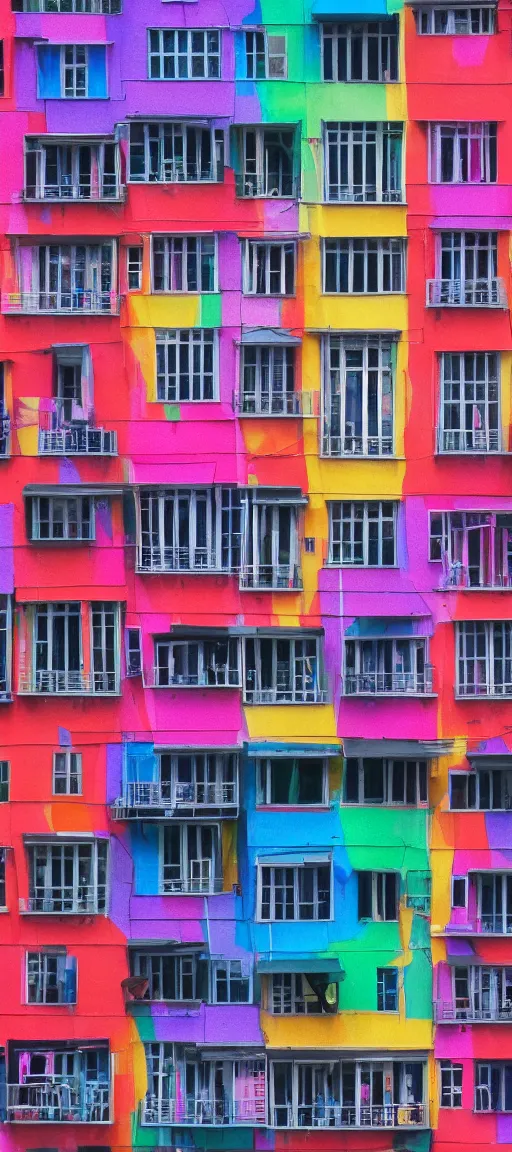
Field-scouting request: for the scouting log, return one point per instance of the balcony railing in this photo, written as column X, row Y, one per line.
column 470, row 440
column 496, row 924
column 61, row 303
column 200, row 882
column 101, row 7
column 5, row 429
column 459, row 575
column 483, row 689
column 482, row 293
column 50, row 682
column 449, row 1012
column 209, row 678
column 156, row 558
column 389, row 683
column 163, row 796
column 311, row 694
column 350, row 1116
column 278, row 577
column 76, row 439
column 73, row 193
column 202, row 1113
column 271, row 184
column 278, row 404
column 88, row 900
column 58, row 1100
column 335, row 445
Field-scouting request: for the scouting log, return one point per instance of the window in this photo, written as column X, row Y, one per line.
column 5, row 774
column 133, row 651
column 183, row 54
column 271, row 543
column 3, row 904
column 134, row 267
column 363, row 162
column 67, row 171
column 67, row 773
column 186, row 364
column 294, row 994
column 360, row 52
column 475, row 548
column 5, row 647
column 362, row 533
column 462, row 153
column 364, row 266
column 172, row 152
column 185, row 1087
column 374, row 666
column 197, row 663
column 105, row 7
column 269, row 268
column 2, row 69
column 268, row 380
column 470, row 402
column 283, row 670
column 369, row 780
column 455, row 21
column 493, row 903
column 294, row 892
column 71, row 71
column 74, row 278
column 378, row 895
column 459, row 891
column 451, row 1084
column 55, row 518
column 58, row 658
column 186, row 781
column 265, row 56
column 189, row 531
column 68, row 877
column 170, row 975
column 291, row 781
column 467, row 266
column 493, row 1087
column 347, row 1093
column 480, row 993
column 486, row 790
column 51, row 977
column 184, row 264
column 387, row 989
column 191, row 859
column 357, row 396
column 231, row 982
column 484, row 658
column 269, row 162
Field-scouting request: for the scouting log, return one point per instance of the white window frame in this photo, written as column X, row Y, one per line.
column 264, row 50
column 5, row 647
column 144, row 961
column 76, row 898
column 235, row 971
column 271, row 544
column 355, row 137
column 472, row 280
column 218, row 512
column 463, row 881
column 71, row 63
column 102, row 185
column 302, row 1110
column 183, row 250
column 266, row 766
column 383, row 991
column 187, row 55
column 450, row 536
column 340, row 38
column 450, row 1084
column 40, row 970
column 134, row 261
column 298, row 683
column 83, row 292
column 99, row 7
column 463, row 137
column 471, row 633
column 270, row 370
column 258, row 260
column 473, row 789
column 211, row 778
column 412, row 767
column 102, row 679
column 499, row 921
column 258, row 144
column 73, row 519
column 407, row 656
column 458, row 21
column 200, row 875
column 197, row 658
column 483, row 1072
column 67, row 768
column 340, row 437
column 176, row 138
column 379, row 883
column 366, row 513
column 292, row 881
column 197, row 341
column 487, row 992
column 289, row 994
column 484, row 415
column 382, row 259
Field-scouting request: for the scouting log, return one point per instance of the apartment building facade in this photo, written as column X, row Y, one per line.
column 255, row 550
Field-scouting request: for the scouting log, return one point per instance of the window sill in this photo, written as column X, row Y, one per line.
column 292, row 807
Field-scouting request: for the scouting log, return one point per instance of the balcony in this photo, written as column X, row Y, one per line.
column 279, row 404
column 275, row 185
column 72, row 192
column 372, row 683
column 158, row 559
column 450, row 1012
column 469, row 440
column 163, row 798
column 64, row 303
column 313, row 693
column 58, row 1100
column 53, row 682
column 350, row 1116
column 61, row 436
column 271, row 577
column 199, row 1113
column 100, row 7
column 336, row 445
column 199, row 882
column 87, row 900
column 482, row 293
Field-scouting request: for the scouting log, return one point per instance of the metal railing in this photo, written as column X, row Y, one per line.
column 52, row 682
column 451, row 1012
column 163, row 558
column 58, row 1100
column 281, row 577
column 277, row 185
column 316, row 693
column 77, row 440
column 202, row 1112
column 197, row 885
column 484, row 688
column 101, row 7
column 73, row 192
column 5, row 430
column 167, row 795
column 470, row 440
column 221, row 677
column 481, row 293
column 336, row 445
column 80, row 300
column 459, row 575
column 87, row 899
column 394, row 683
column 176, row 172
column 498, row 924
column 349, row 1116
column 275, row 404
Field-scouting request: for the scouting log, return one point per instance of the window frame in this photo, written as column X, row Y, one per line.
column 265, row 766
column 304, row 686
column 268, row 55
column 429, row 14
column 257, row 251
column 470, row 631
column 380, row 881
column 216, row 965
column 94, row 905
column 338, row 32
column 5, row 781
column 44, row 977
column 298, row 995
column 186, row 832
column 473, row 782
column 6, row 638
column 311, row 864
column 384, row 991
column 379, row 378
column 388, row 250
column 176, row 55
column 388, row 768
column 82, row 519
column 366, row 521
column 174, row 136
column 483, row 133
column 72, row 769
column 376, row 136
column 450, row 1090
column 501, row 1068
column 178, row 960
column 169, row 257
column 194, row 339
column 134, row 266
column 486, row 438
